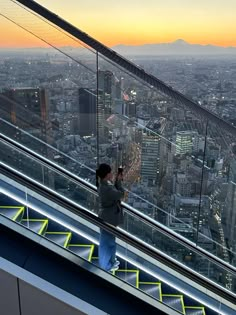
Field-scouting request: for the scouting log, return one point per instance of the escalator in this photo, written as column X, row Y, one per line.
column 49, row 226
column 71, row 231
column 87, row 250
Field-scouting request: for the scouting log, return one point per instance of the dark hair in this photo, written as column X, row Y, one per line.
column 102, row 171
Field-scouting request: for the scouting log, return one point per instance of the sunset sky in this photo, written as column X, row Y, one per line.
column 135, row 22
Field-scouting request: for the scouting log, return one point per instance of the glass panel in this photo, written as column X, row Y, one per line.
column 48, row 91
column 163, row 147
column 166, row 149
column 137, row 227
column 47, row 176
column 159, row 144
column 218, row 190
column 80, row 238
column 151, row 235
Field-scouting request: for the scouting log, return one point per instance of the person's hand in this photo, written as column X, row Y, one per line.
column 119, row 176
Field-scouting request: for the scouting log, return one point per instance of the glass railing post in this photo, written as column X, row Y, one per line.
column 97, row 109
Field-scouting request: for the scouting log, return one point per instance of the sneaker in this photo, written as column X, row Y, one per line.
column 116, row 263
column 115, row 266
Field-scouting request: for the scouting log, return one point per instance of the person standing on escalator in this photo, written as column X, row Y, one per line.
column 111, row 212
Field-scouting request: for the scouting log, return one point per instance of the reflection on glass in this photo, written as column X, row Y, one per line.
column 50, row 178
column 181, row 253
column 219, row 189
column 78, row 109
column 175, row 161
column 48, row 96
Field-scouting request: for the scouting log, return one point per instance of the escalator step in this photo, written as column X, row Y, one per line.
column 174, row 301
column 84, row 251
column 38, row 226
column 151, row 288
column 95, row 261
column 130, row 276
column 191, row 310
column 14, row 213
column 61, row 238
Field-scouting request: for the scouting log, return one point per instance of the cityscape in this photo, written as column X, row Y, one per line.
column 178, row 169
column 146, row 87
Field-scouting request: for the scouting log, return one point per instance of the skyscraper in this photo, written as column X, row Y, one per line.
column 130, row 109
column 184, row 142
column 229, row 217
column 27, row 108
column 105, row 81
column 106, row 88
column 150, row 157
column 87, row 112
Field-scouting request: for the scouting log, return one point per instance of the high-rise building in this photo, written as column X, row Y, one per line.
column 229, row 217
column 130, row 109
column 184, row 142
column 106, row 90
column 87, row 112
column 105, row 81
column 150, row 157
column 106, row 87
column 28, row 107
column 198, row 142
column 182, row 186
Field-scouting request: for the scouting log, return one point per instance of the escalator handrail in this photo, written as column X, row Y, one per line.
column 120, row 234
column 126, row 64
column 160, row 227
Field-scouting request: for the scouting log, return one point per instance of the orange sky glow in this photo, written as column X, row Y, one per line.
column 130, row 23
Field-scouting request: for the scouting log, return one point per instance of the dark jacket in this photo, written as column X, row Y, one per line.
column 109, row 197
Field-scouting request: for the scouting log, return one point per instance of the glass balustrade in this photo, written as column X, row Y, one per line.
column 76, row 239
column 68, row 103
column 145, row 231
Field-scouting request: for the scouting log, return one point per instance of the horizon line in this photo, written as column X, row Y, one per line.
column 118, row 44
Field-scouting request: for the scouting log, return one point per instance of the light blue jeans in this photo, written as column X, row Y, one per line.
column 106, row 250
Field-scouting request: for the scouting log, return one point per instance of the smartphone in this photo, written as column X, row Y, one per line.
column 120, row 170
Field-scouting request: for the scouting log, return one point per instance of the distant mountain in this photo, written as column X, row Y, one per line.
column 178, row 47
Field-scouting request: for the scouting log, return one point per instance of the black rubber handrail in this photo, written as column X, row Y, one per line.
column 138, row 244
column 127, row 65
column 132, row 211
